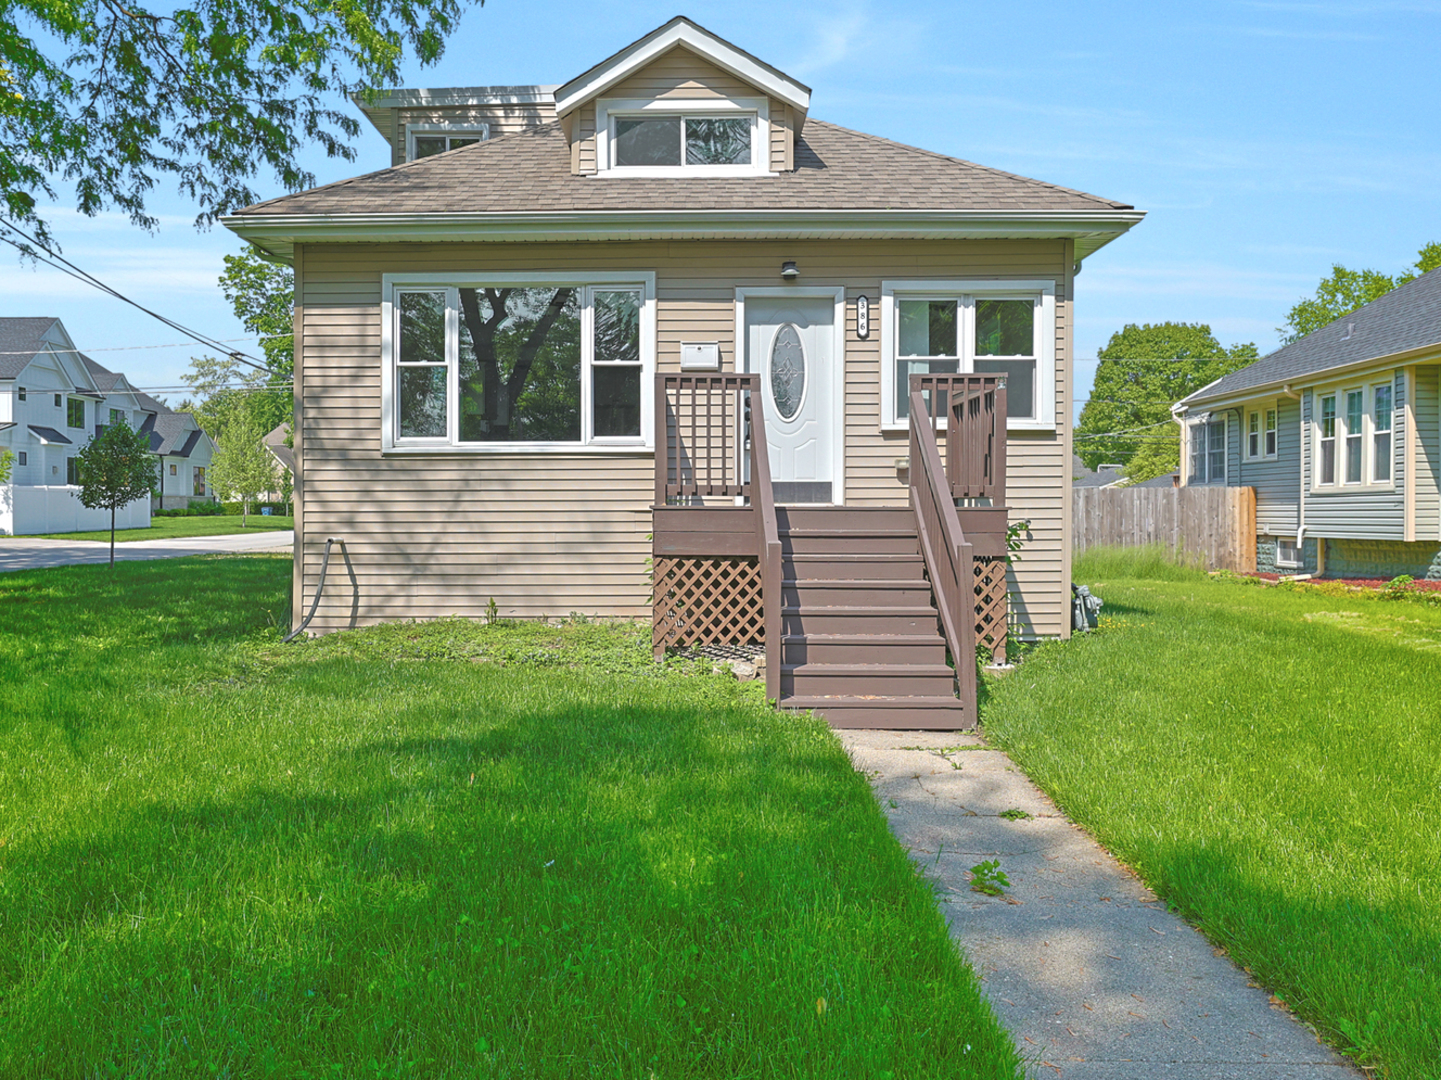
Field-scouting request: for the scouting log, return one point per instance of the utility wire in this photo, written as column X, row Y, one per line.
column 59, row 262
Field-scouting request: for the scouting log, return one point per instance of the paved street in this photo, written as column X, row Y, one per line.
column 30, row 553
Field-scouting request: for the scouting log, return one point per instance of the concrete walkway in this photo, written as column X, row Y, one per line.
column 30, row 553
column 1086, row 969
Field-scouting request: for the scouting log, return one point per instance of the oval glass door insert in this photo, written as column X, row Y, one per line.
column 788, row 371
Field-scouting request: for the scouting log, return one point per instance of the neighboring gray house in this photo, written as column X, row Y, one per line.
column 1108, row 476
column 1340, row 435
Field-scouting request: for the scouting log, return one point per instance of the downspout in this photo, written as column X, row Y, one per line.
column 1301, row 487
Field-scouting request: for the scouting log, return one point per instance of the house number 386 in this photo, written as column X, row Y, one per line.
column 863, row 317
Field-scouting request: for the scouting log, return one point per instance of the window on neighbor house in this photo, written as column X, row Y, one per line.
column 971, row 332
column 197, row 479
column 172, row 469
column 1270, row 432
column 520, row 364
column 427, row 140
column 24, row 458
column 117, row 416
column 1327, row 429
column 1287, row 554
column 1261, row 433
column 57, row 401
column 75, row 412
column 1355, row 413
column 20, row 392
column 1381, row 419
column 1208, row 452
column 72, row 471
column 1253, row 435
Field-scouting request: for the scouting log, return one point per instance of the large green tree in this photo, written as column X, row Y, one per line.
column 262, row 295
column 1346, row 290
column 110, row 98
column 242, row 468
column 1144, row 370
column 116, row 468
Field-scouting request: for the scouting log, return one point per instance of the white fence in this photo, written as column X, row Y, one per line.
column 26, row 510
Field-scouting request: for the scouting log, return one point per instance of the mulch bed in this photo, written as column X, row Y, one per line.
column 1358, row 583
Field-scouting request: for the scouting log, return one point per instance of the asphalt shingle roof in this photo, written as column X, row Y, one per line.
column 836, row 169
column 20, row 340
column 49, row 434
column 1405, row 318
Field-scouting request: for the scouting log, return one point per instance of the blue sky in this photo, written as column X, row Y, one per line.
column 1266, row 140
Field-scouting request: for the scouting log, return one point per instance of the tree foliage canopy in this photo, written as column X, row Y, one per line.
column 242, row 468
column 262, row 295
column 1127, row 420
column 1344, row 291
column 112, row 97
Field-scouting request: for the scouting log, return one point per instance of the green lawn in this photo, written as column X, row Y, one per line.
column 435, row 850
column 1270, row 762
column 174, row 528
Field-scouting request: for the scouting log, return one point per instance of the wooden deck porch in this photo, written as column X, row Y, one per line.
column 869, row 616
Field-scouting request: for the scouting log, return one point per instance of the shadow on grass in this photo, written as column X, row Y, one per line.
column 613, row 889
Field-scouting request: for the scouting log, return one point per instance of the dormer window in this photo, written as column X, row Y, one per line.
column 427, row 140
column 670, row 137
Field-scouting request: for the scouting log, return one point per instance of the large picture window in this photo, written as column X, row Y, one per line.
column 985, row 328
column 525, row 363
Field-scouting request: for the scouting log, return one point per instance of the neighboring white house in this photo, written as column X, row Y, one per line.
column 53, row 399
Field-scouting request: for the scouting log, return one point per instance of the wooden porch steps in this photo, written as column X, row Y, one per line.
column 861, row 643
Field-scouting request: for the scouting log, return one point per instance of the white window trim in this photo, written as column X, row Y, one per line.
column 1259, row 412
column 607, row 109
column 1276, row 409
column 463, row 131
column 1368, row 437
column 1291, row 564
column 984, row 288
column 391, row 283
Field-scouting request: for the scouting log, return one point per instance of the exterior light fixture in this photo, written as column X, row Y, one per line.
column 789, row 271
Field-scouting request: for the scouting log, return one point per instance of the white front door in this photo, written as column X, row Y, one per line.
column 790, row 344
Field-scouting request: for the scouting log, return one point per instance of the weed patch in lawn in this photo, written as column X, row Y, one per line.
column 1267, row 759
column 438, row 849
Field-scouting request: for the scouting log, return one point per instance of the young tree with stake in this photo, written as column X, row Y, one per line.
column 116, row 468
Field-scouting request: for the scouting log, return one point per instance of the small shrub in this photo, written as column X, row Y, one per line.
column 1397, row 587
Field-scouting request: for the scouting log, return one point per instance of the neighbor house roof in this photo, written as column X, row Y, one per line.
column 20, row 340
column 173, row 434
column 49, row 434
column 105, row 379
column 1404, row 320
column 274, row 441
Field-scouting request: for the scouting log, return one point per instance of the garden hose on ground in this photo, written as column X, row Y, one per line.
column 320, row 588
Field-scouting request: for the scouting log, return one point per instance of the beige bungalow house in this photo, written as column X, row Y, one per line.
column 530, row 357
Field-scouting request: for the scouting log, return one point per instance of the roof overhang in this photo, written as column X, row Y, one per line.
column 277, row 234
column 680, row 31
column 450, row 97
column 1272, row 387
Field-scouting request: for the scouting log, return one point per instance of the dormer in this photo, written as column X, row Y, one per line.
column 420, row 123
column 683, row 103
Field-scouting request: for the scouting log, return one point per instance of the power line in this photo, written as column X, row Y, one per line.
column 65, row 266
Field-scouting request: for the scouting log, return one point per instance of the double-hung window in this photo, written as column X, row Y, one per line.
column 1261, row 433
column 993, row 327
column 1381, row 433
column 75, row 412
column 1353, row 435
column 1208, row 452
column 529, row 362
column 682, row 137
column 1326, row 429
column 117, row 416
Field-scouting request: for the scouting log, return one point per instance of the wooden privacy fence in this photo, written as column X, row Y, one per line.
column 1214, row 525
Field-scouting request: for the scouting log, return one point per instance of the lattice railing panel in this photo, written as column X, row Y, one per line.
column 991, row 605
column 707, row 602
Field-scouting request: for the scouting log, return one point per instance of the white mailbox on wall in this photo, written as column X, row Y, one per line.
column 700, row 356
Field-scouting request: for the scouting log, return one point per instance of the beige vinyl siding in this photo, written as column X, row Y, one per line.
column 503, row 120
column 681, row 74
column 544, row 535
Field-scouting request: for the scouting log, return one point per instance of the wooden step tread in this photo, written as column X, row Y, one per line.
column 858, row 583
column 913, row 611
column 868, row 669
column 859, row 532
column 863, row 639
column 932, row 702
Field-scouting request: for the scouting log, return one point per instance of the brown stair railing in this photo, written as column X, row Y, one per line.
column 702, row 424
column 974, row 408
column 768, row 540
column 944, row 547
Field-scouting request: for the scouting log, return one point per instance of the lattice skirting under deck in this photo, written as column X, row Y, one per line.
column 992, row 606
column 707, row 602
